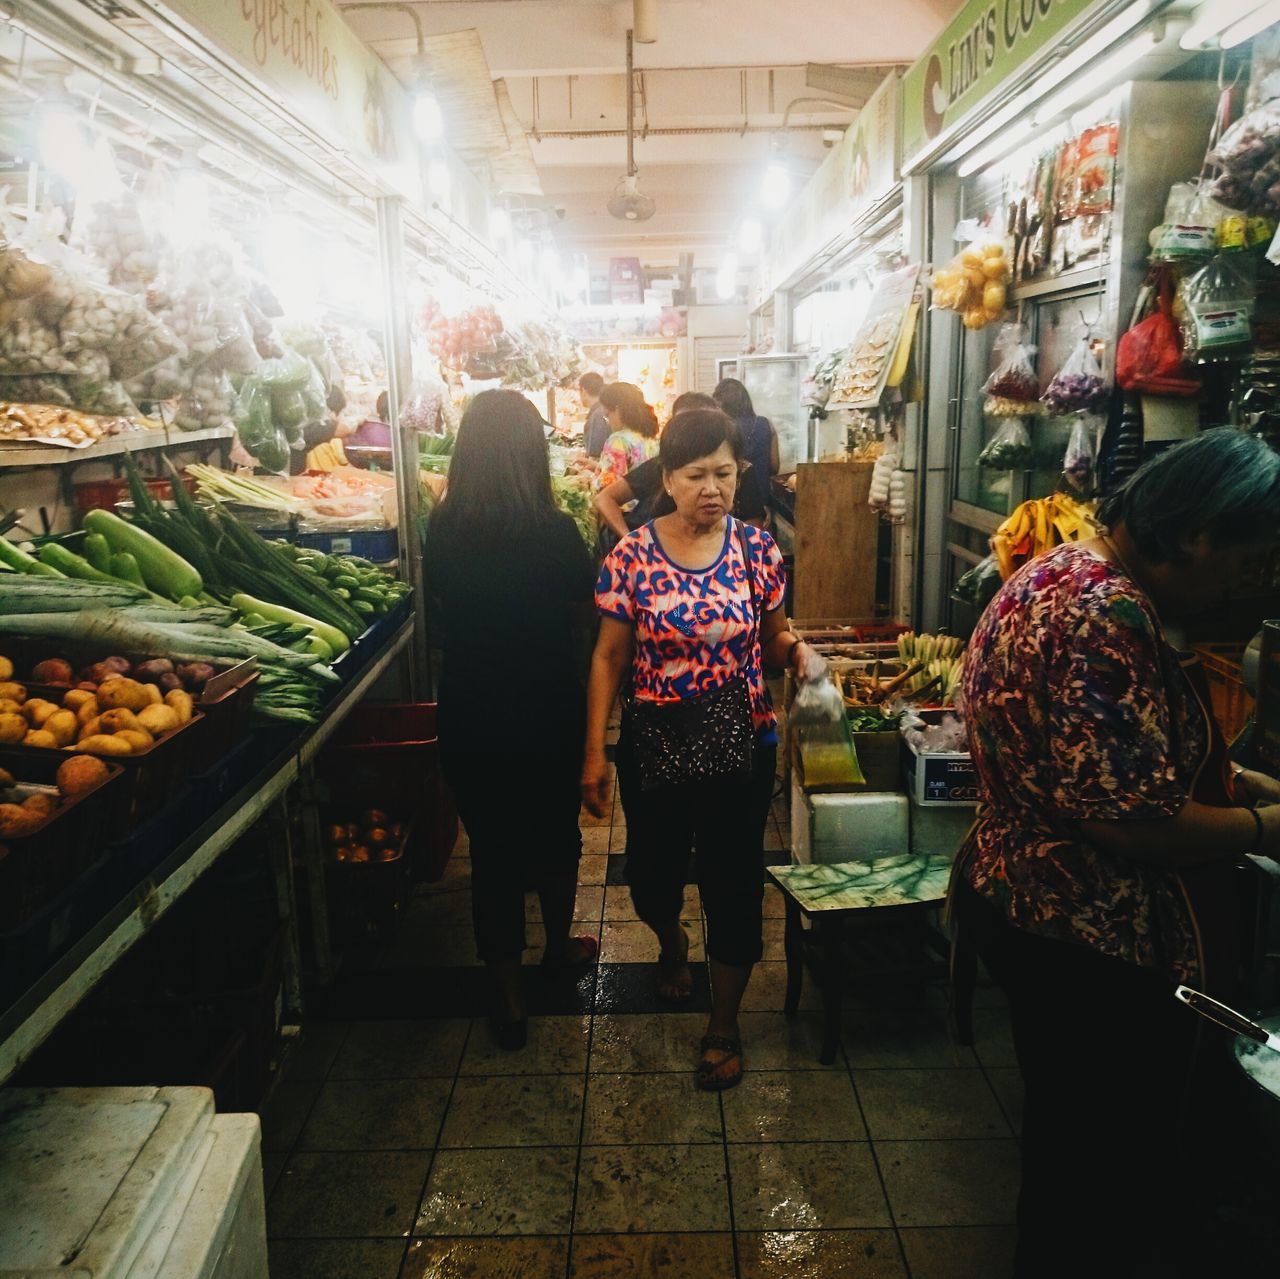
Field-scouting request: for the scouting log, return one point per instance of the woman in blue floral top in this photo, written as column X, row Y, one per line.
column 1091, row 746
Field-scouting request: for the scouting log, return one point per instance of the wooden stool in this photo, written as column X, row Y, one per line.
column 830, row 896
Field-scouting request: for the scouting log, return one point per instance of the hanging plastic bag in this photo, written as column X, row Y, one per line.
column 1149, row 356
column 821, row 725
column 1249, row 153
column 1013, row 389
column 1190, row 227
column 207, row 403
column 1218, row 305
column 979, row 585
column 1081, row 459
column 974, row 282
column 1009, row 449
column 1078, row 386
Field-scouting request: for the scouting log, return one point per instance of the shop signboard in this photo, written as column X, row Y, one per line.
column 304, row 53
column 986, row 42
column 856, row 174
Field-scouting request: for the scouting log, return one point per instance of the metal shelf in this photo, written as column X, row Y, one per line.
column 37, row 1014
column 115, row 446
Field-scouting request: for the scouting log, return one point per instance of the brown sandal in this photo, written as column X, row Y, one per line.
column 675, row 978
column 708, row 1075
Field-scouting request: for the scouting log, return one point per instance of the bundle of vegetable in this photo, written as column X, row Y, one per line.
column 227, row 486
column 574, row 498
column 116, row 618
column 928, row 648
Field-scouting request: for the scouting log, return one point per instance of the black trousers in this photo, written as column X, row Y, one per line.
column 521, row 814
column 720, row 823
column 1110, row 1181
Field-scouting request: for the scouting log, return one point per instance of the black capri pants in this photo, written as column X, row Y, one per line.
column 721, row 823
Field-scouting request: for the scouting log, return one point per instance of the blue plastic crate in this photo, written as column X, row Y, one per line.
column 377, row 545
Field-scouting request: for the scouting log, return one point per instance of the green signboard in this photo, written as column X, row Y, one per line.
column 984, row 45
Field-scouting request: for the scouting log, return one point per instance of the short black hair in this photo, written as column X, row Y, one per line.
column 693, row 400
column 1224, row 483
column 698, row 433
column 592, row 383
column 734, row 398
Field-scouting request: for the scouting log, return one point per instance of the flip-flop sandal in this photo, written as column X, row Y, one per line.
column 709, row 1076
column 590, row 947
column 676, row 975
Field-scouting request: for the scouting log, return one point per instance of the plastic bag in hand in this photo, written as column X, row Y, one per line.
column 821, row 726
column 1078, row 386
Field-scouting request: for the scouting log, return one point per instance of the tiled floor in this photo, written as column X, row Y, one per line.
column 403, row 1145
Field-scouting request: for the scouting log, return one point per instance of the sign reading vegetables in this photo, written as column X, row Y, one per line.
column 984, row 44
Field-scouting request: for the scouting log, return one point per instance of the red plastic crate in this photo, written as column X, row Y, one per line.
column 92, row 495
column 385, row 751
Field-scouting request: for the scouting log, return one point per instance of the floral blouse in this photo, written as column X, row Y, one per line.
column 1078, row 710
column 622, row 451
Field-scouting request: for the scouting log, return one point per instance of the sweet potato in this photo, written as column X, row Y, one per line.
column 80, row 773
column 53, row 670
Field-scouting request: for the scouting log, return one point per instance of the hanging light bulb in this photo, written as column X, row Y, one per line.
column 775, row 189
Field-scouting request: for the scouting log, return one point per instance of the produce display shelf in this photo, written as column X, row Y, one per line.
column 34, row 1016
column 12, row 457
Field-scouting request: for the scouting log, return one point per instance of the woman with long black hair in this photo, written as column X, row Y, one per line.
column 511, row 581
column 759, row 438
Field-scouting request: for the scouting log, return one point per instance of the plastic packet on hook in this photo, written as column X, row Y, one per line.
column 1014, row 377
column 1078, row 386
column 1081, row 458
column 1218, row 313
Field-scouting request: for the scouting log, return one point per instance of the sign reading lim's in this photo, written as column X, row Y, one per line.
column 984, row 45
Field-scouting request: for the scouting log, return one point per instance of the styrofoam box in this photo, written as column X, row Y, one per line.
column 939, row 828
column 123, row 1179
column 848, row 827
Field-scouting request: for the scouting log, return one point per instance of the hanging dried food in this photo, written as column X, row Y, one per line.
column 1078, row 386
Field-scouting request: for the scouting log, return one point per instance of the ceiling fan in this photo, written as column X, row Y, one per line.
column 628, row 203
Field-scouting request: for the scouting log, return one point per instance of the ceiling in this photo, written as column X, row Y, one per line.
column 713, row 92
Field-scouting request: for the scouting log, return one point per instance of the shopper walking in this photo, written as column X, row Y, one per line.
column 510, row 579
column 1110, row 824
column 634, row 427
column 596, row 430
column 759, row 438
column 691, row 610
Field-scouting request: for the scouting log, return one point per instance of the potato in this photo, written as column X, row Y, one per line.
column 54, row 670
column 40, row 803
column 77, row 697
column 88, row 729
column 63, row 725
column 80, row 773
column 88, row 710
column 119, row 693
column 38, row 737
column 12, row 692
column 6, row 668
column 37, row 710
column 114, row 721
column 13, row 728
column 102, row 744
column 182, row 703
column 16, row 820
column 155, row 694
column 158, row 719
column 6, row 777
column 138, row 739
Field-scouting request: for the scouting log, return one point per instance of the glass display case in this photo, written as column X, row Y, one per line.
column 774, row 383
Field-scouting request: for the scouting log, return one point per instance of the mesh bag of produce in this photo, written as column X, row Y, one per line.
column 1078, row 386
column 1009, row 449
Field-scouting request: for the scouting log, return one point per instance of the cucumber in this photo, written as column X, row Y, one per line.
column 163, row 570
column 331, row 635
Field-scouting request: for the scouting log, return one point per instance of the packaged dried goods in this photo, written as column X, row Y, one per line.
column 1249, row 153
column 114, row 233
column 1009, row 449
column 1095, row 166
column 1014, row 376
column 1078, row 386
column 1081, row 458
column 1191, row 222
column 1218, row 308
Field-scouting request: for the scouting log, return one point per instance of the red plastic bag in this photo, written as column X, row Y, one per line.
column 1149, row 356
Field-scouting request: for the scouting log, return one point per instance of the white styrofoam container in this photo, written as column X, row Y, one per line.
column 88, row 1173
column 848, row 827
column 216, row 1226
column 939, row 828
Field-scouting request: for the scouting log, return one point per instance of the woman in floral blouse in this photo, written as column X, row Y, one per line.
column 1090, row 744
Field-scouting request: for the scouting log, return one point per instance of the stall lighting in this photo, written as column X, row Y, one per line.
column 1248, row 27
column 750, row 236
column 63, row 142
column 1098, row 43
column 775, row 189
column 1100, row 77
column 993, row 151
column 1214, row 16
column 499, row 224
column 428, row 119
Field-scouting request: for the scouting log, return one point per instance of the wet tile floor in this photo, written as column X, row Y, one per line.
column 401, row 1144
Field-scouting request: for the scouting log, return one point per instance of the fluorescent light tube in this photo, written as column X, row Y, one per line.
column 1099, row 78
column 1214, row 16
column 1259, row 20
column 995, row 150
